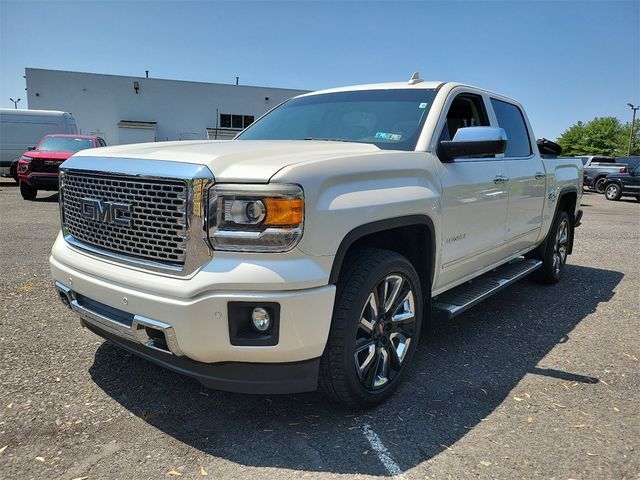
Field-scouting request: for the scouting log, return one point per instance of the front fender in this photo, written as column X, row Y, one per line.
column 342, row 194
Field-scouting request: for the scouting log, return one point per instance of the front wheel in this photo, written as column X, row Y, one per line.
column 613, row 191
column 27, row 191
column 374, row 330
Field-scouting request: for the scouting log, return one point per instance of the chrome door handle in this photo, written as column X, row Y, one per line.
column 540, row 175
column 500, row 179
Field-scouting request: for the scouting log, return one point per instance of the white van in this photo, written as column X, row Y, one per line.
column 21, row 129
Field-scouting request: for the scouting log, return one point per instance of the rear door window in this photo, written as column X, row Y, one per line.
column 510, row 118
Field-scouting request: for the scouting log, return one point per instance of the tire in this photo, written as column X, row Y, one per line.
column 554, row 251
column 14, row 172
column 612, row 191
column 599, row 184
column 27, row 191
column 363, row 377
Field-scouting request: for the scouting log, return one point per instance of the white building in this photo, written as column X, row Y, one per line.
column 138, row 109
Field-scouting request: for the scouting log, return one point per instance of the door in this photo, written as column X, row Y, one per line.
column 474, row 200
column 631, row 184
column 526, row 178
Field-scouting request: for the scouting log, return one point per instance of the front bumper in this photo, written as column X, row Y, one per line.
column 41, row 181
column 241, row 377
column 195, row 320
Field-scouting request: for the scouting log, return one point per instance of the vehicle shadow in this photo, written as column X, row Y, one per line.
column 50, row 198
column 463, row 370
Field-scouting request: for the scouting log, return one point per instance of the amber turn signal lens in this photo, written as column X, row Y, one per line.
column 283, row 211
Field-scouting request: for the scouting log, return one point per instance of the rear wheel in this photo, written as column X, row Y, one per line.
column 613, row 191
column 27, row 191
column 556, row 249
column 599, row 184
column 374, row 331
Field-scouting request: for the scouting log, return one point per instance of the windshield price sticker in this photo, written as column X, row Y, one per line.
column 388, row 136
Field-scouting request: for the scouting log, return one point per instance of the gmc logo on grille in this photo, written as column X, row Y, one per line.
column 106, row 212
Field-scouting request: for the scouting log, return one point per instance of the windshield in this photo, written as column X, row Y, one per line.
column 64, row 144
column 390, row 119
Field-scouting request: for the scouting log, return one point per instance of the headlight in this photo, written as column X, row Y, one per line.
column 255, row 218
column 23, row 164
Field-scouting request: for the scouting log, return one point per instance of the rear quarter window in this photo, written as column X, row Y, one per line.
column 511, row 119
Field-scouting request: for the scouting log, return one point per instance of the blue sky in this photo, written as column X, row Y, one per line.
column 564, row 60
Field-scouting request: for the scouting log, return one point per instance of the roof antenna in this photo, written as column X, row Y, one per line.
column 415, row 78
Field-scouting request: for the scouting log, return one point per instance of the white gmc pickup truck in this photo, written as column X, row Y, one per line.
column 308, row 252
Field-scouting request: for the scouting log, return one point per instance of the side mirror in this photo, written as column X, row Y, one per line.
column 473, row 142
column 31, row 147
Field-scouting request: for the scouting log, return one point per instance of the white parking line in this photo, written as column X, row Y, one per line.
column 382, row 452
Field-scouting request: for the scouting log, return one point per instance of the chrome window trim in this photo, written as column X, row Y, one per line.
column 198, row 179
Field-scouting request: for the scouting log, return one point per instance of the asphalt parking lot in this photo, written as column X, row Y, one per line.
column 537, row 382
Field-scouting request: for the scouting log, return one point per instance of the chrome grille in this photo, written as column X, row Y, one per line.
column 158, row 211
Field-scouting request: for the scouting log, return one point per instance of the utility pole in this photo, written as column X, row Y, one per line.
column 217, row 117
column 633, row 124
column 15, row 103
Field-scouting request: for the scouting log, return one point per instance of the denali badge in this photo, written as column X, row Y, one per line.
column 106, row 212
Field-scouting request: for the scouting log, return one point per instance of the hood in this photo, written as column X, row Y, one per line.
column 242, row 161
column 53, row 155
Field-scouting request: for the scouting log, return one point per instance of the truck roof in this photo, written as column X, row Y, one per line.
column 13, row 111
column 417, row 85
column 71, row 135
column 379, row 86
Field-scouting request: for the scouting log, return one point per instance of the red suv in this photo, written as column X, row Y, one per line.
column 38, row 168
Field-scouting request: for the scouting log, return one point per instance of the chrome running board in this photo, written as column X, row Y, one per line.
column 463, row 297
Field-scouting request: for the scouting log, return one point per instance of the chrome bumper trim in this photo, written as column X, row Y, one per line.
column 136, row 333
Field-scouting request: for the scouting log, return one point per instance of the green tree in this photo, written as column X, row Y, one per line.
column 635, row 143
column 601, row 136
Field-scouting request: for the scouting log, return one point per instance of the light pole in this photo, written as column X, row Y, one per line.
column 633, row 124
column 15, row 103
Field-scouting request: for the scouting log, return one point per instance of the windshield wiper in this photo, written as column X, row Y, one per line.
column 329, row 139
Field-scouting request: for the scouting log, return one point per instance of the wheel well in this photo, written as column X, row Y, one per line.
column 599, row 177
column 414, row 241
column 568, row 204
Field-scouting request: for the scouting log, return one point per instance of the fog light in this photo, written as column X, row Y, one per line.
column 261, row 320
